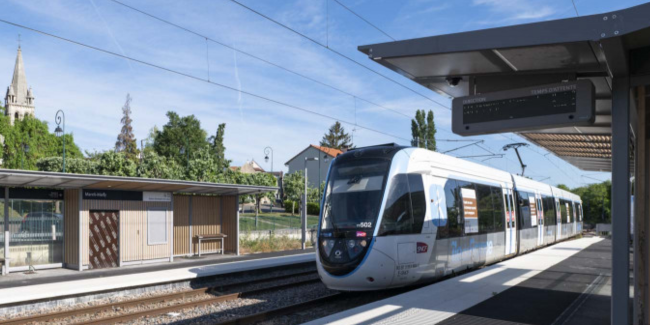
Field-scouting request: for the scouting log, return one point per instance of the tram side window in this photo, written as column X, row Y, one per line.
column 452, row 199
column 579, row 211
column 563, row 211
column 485, row 209
column 571, row 215
column 549, row 211
column 418, row 202
column 405, row 208
column 499, row 214
column 523, row 206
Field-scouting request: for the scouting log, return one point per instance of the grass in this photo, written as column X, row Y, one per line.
column 266, row 245
column 272, row 221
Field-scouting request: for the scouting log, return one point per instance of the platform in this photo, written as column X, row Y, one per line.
column 46, row 284
column 568, row 283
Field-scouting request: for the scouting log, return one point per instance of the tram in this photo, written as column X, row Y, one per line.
column 395, row 216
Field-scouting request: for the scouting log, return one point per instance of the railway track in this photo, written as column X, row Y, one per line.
column 216, row 294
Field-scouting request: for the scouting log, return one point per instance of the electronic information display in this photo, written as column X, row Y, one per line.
column 548, row 106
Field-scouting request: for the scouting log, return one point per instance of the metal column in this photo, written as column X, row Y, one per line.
column 620, row 201
column 237, row 234
column 80, row 247
column 6, row 231
column 189, row 217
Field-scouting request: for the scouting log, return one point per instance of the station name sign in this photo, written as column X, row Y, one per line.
column 547, row 106
column 112, row 195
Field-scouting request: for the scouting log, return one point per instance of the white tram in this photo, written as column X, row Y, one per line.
column 394, row 216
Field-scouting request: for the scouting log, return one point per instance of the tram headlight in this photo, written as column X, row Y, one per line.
column 363, row 243
column 351, row 243
column 328, row 244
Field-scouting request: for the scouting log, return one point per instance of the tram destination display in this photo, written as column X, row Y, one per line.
column 547, row 106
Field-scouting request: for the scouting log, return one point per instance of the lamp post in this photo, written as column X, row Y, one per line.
column 304, row 205
column 325, row 159
column 268, row 151
column 59, row 118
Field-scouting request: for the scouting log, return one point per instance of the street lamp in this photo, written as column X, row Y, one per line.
column 304, row 204
column 267, row 151
column 59, row 118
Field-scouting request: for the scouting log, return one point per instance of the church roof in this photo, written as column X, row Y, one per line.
column 19, row 81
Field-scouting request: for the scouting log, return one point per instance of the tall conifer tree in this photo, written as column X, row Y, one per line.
column 126, row 141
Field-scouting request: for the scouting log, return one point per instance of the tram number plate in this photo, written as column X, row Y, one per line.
column 364, row 225
column 404, row 270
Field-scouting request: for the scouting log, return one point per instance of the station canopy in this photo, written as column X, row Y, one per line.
column 590, row 47
column 22, row 178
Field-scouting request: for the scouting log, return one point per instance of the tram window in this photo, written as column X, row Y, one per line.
column 523, row 205
column 406, row 206
column 563, row 210
column 397, row 218
column 499, row 215
column 452, row 199
column 505, row 197
column 485, row 208
column 579, row 210
column 418, row 201
column 571, row 215
column 549, row 210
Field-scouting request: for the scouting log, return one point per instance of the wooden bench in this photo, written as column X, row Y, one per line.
column 201, row 238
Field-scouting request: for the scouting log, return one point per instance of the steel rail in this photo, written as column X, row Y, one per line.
column 218, row 291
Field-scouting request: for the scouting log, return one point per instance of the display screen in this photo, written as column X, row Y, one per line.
column 563, row 102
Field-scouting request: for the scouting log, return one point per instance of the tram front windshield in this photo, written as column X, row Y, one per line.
column 353, row 195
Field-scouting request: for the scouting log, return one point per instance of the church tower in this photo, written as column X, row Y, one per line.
column 19, row 101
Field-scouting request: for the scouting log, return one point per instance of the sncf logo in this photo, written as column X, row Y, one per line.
column 422, row 248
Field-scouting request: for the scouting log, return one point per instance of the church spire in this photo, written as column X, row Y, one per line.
column 19, row 101
column 19, row 81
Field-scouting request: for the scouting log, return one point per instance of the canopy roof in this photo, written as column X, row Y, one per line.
column 597, row 48
column 22, row 178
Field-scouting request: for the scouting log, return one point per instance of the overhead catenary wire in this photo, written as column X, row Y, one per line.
column 340, row 54
column 231, row 47
column 196, row 78
column 575, row 8
column 365, row 20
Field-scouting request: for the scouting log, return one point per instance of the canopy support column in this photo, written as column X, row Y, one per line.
column 620, row 201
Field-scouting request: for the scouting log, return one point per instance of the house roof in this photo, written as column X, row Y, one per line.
column 332, row 152
column 25, row 178
column 598, row 48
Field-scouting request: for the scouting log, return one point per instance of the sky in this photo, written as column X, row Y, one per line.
column 91, row 86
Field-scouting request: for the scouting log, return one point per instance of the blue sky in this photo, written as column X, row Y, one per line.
column 91, row 86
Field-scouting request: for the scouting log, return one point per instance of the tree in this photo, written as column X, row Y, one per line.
column 262, row 179
column 180, row 132
column 126, row 141
column 115, row 164
column 423, row 130
column 563, row 187
column 337, row 138
column 156, row 166
column 35, row 134
column 72, row 165
column 218, row 149
column 596, row 202
column 201, row 166
column 294, row 186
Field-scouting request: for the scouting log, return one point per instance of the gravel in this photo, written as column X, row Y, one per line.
column 221, row 280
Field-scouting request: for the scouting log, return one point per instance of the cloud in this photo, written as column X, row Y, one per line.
column 517, row 10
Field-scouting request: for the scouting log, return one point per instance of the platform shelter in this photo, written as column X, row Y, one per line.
column 54, row 220
column 612, row 51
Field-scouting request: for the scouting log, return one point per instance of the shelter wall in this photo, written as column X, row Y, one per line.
column 134, row 245
column 205, row 215
column 71, row 228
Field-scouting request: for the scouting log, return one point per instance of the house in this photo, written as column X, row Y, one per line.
column 316, row 170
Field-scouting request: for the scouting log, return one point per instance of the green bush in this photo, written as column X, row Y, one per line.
column 289, row 206
column 313, row 208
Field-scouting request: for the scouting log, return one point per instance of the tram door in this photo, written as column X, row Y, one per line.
column 511, row 224
column 540, row 220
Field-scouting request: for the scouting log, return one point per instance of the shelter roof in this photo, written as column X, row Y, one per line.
column 598, row 48
column 22, row 178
